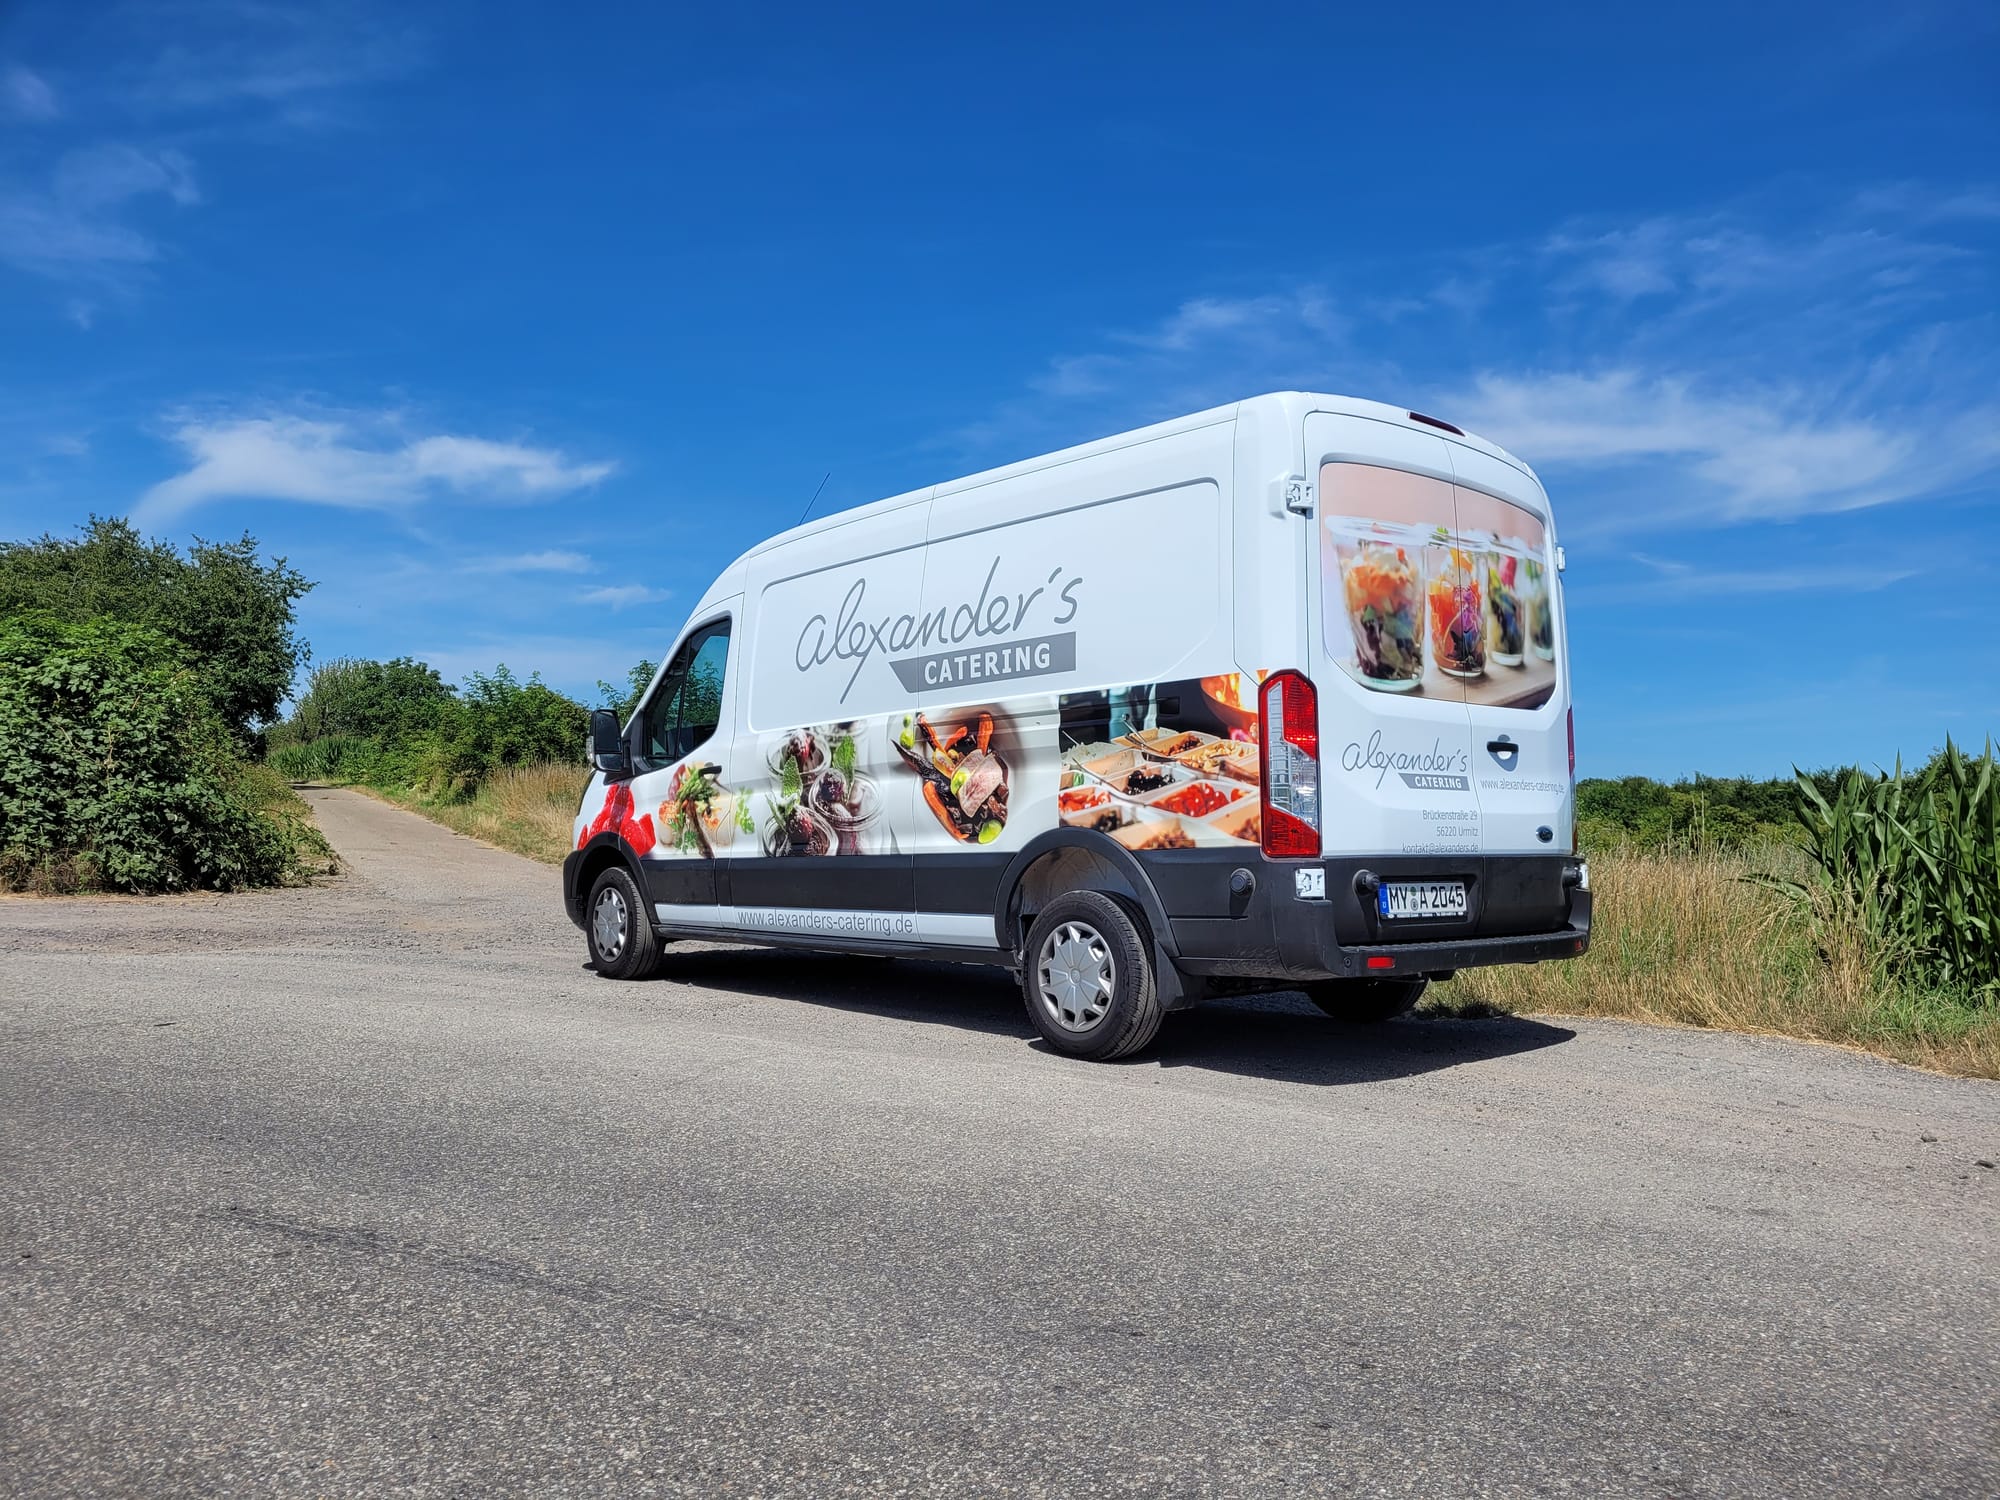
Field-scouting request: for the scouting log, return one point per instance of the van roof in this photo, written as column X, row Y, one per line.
column 1301, row 402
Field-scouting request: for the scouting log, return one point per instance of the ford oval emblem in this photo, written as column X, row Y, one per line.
column 1545, row 834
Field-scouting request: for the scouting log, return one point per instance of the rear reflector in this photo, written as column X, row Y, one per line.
column 1381, row 961
column 1288, row 745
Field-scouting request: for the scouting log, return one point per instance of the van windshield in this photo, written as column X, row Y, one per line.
column 1435, row 590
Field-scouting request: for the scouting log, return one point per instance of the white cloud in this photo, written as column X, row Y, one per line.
column 1624, row 263
column 359, row 462
column 1206, row 351
column 1743, row 453
column 1202, row 320
column 475, row 463
column 1920, row 203
column 620, row 596
column 27, row 96
column 1678, row 579
column 1864, row 259
column 78, row 226
column 99, row 177
column 1729, row 370
column 554, row 560
column 210, row 69
column 211, row 55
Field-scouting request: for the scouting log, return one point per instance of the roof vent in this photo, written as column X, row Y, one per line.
column 1417, row 416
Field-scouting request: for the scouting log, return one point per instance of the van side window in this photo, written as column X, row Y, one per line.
column 687, row 706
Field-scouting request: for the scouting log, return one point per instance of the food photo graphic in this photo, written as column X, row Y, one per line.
column 1169, row 765
column 825, row 803
column 964, row 772
column 1435, row 589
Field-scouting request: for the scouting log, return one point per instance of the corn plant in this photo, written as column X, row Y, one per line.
column 1912, row 860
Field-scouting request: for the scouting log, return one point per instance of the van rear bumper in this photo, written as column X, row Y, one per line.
column 1523, row 909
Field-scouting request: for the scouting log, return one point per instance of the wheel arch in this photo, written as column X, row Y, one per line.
column 592, row 860
column 1064, row 859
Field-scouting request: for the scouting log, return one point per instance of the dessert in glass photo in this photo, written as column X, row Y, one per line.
column 1457, row 617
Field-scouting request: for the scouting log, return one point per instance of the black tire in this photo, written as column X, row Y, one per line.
column 1091, row 953
column 1366, row 1002
column 623, row 945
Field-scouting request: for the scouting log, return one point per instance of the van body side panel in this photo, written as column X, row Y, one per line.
column 829, row 818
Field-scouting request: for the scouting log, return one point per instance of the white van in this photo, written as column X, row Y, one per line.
column 1270, row 697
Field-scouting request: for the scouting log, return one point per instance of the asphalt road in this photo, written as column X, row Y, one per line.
column 375, row 1189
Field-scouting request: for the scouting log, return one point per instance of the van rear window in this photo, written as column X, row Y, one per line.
column 1435, row 590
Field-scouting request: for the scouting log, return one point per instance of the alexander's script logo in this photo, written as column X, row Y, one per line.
column 1437, row 769
column 971, row 635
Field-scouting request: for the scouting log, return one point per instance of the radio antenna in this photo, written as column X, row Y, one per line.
column 815, row 499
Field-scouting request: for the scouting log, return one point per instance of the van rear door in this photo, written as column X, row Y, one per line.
column 1519, row 704
column 1396, row 738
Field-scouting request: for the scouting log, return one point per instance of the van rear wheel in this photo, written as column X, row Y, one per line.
column 1087, row 977
column 1366, row 1002
column 623, row 944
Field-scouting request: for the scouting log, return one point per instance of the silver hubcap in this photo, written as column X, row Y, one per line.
column 1076, row 976
column 608, row 921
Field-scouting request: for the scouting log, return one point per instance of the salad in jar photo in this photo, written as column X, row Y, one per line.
column 1381, row 587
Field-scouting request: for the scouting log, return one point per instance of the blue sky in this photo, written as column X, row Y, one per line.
column 510, row 324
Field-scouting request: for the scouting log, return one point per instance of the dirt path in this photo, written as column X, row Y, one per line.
column 374, row 1188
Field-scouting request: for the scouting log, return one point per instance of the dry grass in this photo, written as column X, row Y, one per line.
column 1683, row 938
column 526, row 809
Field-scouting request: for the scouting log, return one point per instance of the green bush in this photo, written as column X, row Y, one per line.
column 379, row 700
column 118, row 770
column 625, row 701
column 1706, row 812
column 498, row 720
column 229, row 612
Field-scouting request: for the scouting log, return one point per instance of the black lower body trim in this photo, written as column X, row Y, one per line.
column 846, row 882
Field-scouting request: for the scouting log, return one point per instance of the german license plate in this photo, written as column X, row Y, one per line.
column 1421, row 898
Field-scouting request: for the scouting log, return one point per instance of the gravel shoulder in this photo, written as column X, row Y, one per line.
column 375, row 1188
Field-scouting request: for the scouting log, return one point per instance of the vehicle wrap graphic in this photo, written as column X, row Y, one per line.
column 1153, row 766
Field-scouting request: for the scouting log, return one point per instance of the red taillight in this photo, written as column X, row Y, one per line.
column 1569, row 722
column 1288, row 784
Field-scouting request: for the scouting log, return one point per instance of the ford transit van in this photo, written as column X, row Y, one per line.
column 1273, row 696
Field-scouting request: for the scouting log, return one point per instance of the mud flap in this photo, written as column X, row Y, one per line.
column 1176, row 991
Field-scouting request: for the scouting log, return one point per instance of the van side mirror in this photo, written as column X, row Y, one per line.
column 607, row 743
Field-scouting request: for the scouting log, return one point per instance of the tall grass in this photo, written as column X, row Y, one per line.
column 526, row 809
column 334, row 757
column 1693, row 937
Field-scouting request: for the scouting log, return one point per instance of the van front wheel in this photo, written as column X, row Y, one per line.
column 623, row 944
column 1366, row 1001
column 1088, row 977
